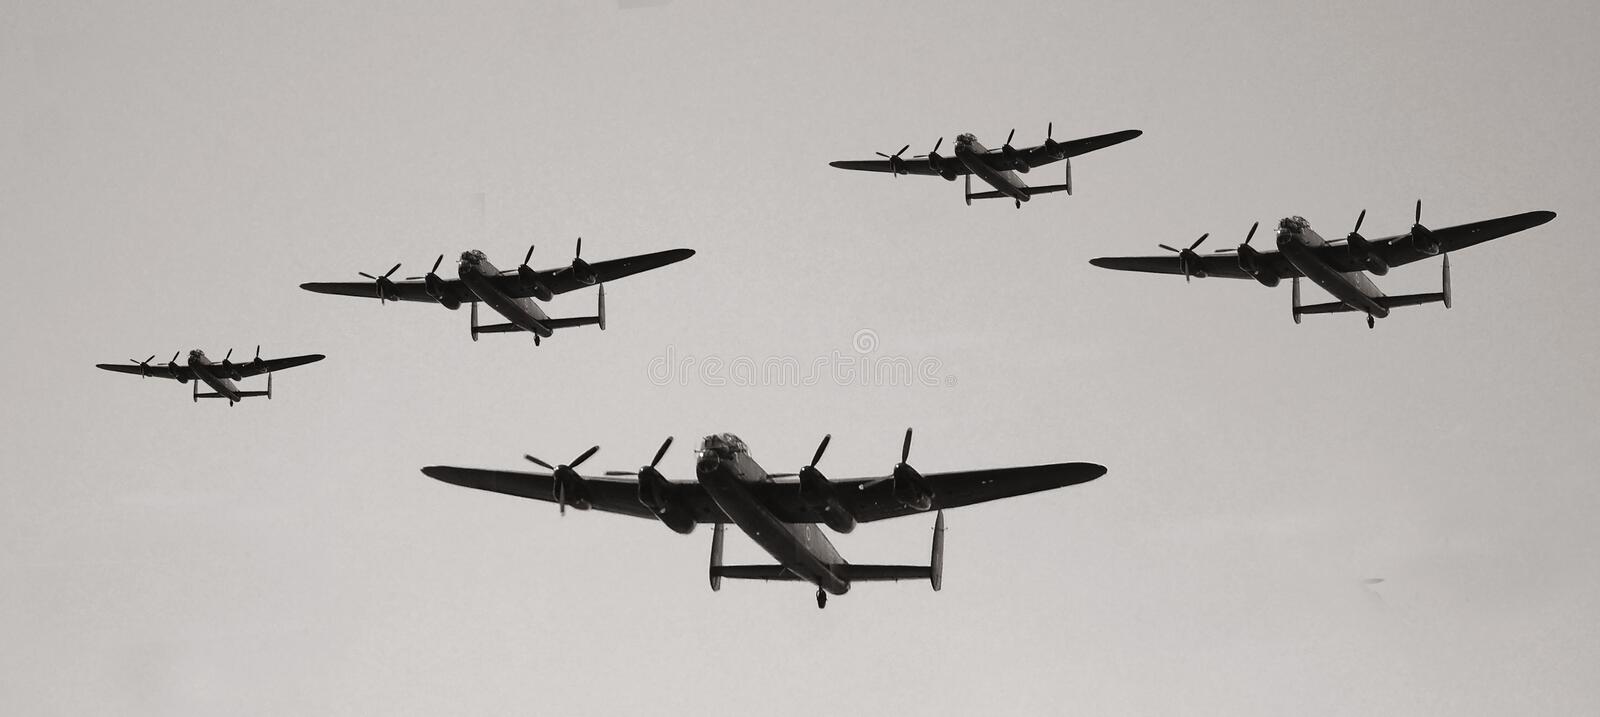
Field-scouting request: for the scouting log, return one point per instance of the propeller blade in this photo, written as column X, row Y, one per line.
column 823, row 446
column 1010, row 135
column 436, row 263
column 661, row 452
column 228, row 355
column 622, row 473
column 1049, row 130
column 937, row 144
column 579, row 251
column 1363, row 217
column 583, row 457
column 394, row 269
column 369, row 276
column 1198, row 241
column 902, row 150
column 148, row 360
column 905, row 450
column 1419, row 212
column 175, row 356
column 1168, row 248
column 529, row 256
column 258, row 352
column 538, row 462
column 1252, row 233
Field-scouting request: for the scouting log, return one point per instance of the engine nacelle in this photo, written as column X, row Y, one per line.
column 530, row 280
column 818, row 494
column 229, row 370
column 1014, row 158
column 941, row 167
column 1362, row 253
column 1423, row 240
column 910, row 488
column 1250, row 263
column 570, row 489
column 659, row 496
column 583, row 272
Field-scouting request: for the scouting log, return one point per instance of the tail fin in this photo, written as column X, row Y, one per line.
column 936, row 561
column 1446, row 290
column 1294, row 299
column 1067, row 184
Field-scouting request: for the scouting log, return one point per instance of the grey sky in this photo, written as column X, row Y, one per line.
column 172, row 171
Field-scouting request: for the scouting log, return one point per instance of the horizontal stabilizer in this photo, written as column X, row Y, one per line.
column 252, row 394
column 989, row 195
column 870, row 573
column 1329, row 308
column 1048, row 188
column 497, row 329
column 1391, row 302
column 569, row 323
column 752, row 572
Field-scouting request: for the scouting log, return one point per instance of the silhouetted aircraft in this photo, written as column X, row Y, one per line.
column 511, row 293
column 781, row 517
column 219, row 376
column 1340, row 268
column 998, row 167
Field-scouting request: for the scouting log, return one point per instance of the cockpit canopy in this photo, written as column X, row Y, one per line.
column 1293, row 225
column 472, row 257
column 197, row 354
column 966, row 138
column 724, row 445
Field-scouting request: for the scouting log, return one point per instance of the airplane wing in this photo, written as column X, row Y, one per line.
column 1039, row 156
column 1397, row 250
column 909, row 166
column 154, row 370
column 405, row 290
column 253, row 368
column 609, row 495
column 1220, row 265
column 564, row 280
column 870, row 499
column 559, row 281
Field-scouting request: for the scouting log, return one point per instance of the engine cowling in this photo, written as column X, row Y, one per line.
column 660, row 497
column 1250, row 263
column 1362, row 253
column 818, row 494
column 230, row 370
column 911, row 489
column 1014, row 159
column 530, row 280
column 570, row 489
column 436, row 288
column 1423, row 240
column 583, row 272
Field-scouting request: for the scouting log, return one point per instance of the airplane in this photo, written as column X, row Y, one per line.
column 219, row 376
column 781, row 517
column 1339, row 268
column 997, row 167
column 511, row 293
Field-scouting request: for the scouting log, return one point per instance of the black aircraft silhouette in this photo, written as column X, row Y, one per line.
column 781, row 517
column 511, row 293
column 1341, row 268
column 997, row 167
column 219, row 376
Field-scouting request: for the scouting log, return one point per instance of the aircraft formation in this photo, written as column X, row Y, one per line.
column 784, row 513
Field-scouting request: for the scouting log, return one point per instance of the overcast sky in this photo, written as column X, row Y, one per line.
column 171, row 172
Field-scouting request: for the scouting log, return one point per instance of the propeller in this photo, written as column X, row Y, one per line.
column 385, row 286
column 1422, row 238
column 257, row 360
column 896, row 164
column 580, row 268
column 144, row 366
column 1013, row 157
column 1363, row 217
column 530, row 278
column 1188, row 260
column 435, row 286
column 566, row 478
column 662, row 451
column 935, row 162
column 1051, row 145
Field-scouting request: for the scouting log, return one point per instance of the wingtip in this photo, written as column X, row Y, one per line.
column 1101, row 261
column 839, row 164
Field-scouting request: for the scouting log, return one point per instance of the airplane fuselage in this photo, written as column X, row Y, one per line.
column 971, row 153
column 802, row 548
column 1298, row 244
column 476, row 273
column 206, row 372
